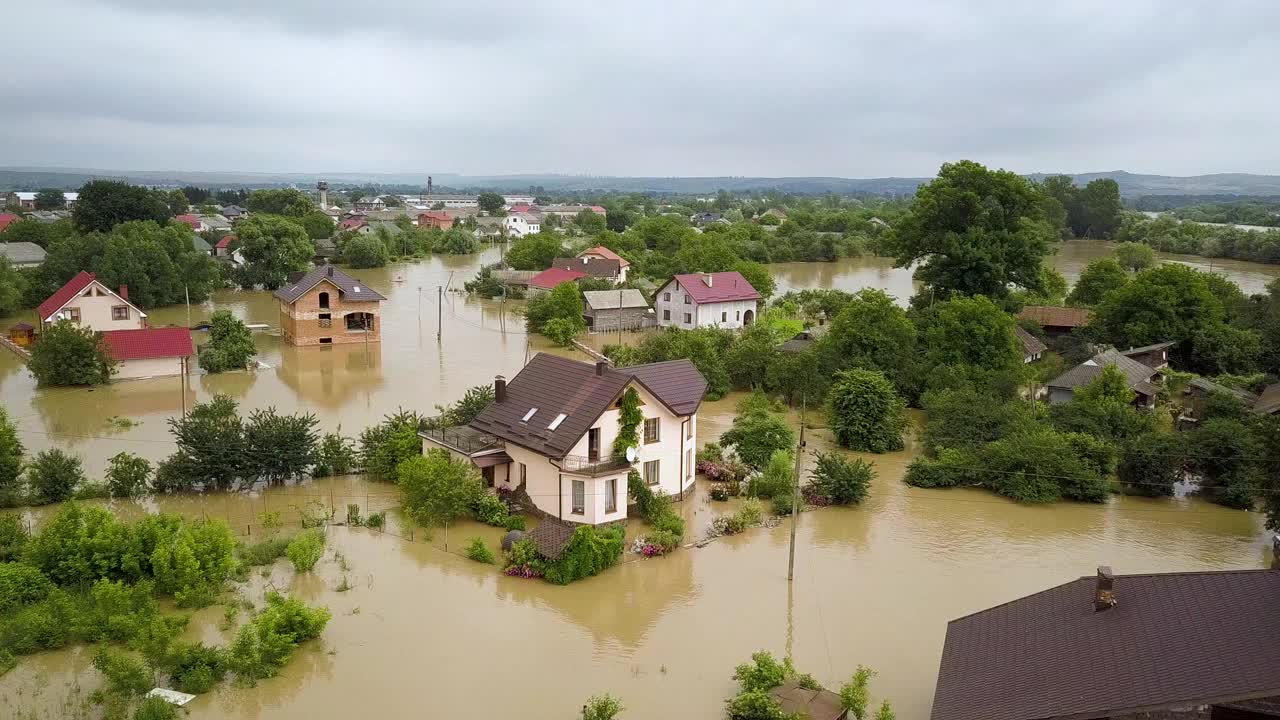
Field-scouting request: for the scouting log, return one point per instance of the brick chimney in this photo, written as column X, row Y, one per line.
column 706, row 279
column 1104, row 595
column 124, row 292
column 330, row 271
column 499, row 389
column 601, row 366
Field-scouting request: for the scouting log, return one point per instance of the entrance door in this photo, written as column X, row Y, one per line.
column 748, row 317
column 593, row 444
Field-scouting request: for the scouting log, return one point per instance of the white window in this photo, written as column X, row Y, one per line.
column 651, row 430
column 120, row 312
column 579, row 497
column 611, row 495
column 651, row 472
column 688, row 463
column 666, row 297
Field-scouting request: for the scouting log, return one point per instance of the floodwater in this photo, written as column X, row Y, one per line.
column 425, row 632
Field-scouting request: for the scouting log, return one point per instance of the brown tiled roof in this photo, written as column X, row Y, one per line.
column 352, row 289
column 1089, row 370
column 1031, row 344
column 811, row 704
column 1048, row 316
column 1171, row 639
column 551, row 536
column 557, row 385
column 595, row 267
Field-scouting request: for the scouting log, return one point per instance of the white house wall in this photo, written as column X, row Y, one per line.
column 95, row 311
column 704, row 315
column 153, row 367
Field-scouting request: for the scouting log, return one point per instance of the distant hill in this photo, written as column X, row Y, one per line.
column 1131, row 184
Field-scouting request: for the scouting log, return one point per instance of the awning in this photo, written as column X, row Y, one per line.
column 484, row 461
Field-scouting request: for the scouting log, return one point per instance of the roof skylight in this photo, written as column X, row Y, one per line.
column 556, row 423
column 528, row 414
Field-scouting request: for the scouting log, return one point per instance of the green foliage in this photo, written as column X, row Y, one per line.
column 272, row 247
column 11, row 451
column 50, row 199
column 1097, row 280
column 491, row 510
column 606, row 706
column 706, row 347
column 211, row 448
column 266, row 642
column 103, row 204
column 317, row 224
column 629, row 420
column 711, row 452
column 870, row 331
column 279, row 447
column 1111, row 386
column 970, row 333
column 127, row 475
column 562, row 330
column 865, row 412
column 966, row 417
column 855, row 694
column 155, row 708
column 1227, row 456
column 280, row 201
column 1152, row 464
column 53, row 476
column 776, row 478
column 13, row 537
column 1166, row 303
column 125, row 675
column 563, row 302
column 194, row 562
column 478, row 551
column 20, row 585
column 462, row 412
column 534, row 252
column 230, row 345
column 305, row 550
column 69, row 354
column 436, row 489
column 590, row 550
column 755, row 705
column 756, row 434
column 13, row 287
column 336, row 455
column 264, row 552
column 491, row 202
column 365, row 251
column 655, row 509
column 193, row 667
column 838, row 480
column 385, row 445
column 1135, row 256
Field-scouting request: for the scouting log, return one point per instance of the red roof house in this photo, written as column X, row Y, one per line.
column 84, row 300
column 521, row 208
column 192, row 220
column 7, row 219
column 436, row 218
column 225, row 242
column 149, row 352
column 353, row 223
column 548, row 279
column 604, row 253
column 722, row 299
column 64, row 295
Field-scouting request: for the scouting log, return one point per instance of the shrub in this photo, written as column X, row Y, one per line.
column 664, row 540
column 194, row 562
column 435, row 488
column 513, row 522
column 776, row 479
column 305, row 550
column 562, row 330
column 21, row 585
column 490, row 510
column 68, row 354
column 376, row 520
column 866, row 412
column 764, row 672
column 230, row 345
column 524, row 560
column 125, row 675
column 719, row 493
column 783, row 504
column 154, row 708
column 601, row 707
column 266, row 642
column 54, row 476
column 385, row 445
column 711, row 452
column 353, row 515
column 265, row 552
column 755, row 705
column 195, row 668
column 478, row 551
column 751, row 512
column 755, row 435
column 365, row 251
column 590, row 550
column 13, row 537
column 336, row 455
column 837, row 480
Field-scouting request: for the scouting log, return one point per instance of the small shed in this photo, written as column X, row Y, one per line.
column 610, row 309
column 817, row 704
column 22, row 335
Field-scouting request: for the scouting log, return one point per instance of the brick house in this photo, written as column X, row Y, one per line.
column 437, row 218
column 329, row 307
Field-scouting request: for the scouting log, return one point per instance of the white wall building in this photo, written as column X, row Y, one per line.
column 86, row 301
column 521, row 224
column 723, row 299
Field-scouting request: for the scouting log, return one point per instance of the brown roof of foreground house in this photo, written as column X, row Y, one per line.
column 352, row 289
column 812, row 704
column 551, row 536
column 1048, row 316
column 1170, row 639
column 1089, row 370
column 1031, row 344
column 551, row 386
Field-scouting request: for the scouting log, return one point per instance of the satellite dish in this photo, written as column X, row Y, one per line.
column 631, row 454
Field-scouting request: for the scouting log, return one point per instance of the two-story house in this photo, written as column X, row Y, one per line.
column 519, row 224
column 603, row 253
column 329, row 307
column 723, row 299
column 550, row 431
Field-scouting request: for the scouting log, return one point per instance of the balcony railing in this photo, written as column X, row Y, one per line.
column 579, row 465
column 462, row 438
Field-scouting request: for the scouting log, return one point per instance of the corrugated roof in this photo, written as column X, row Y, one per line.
column 1209, row 386
column 610, row 299
column 548, row 279
column 1171, row 639
column 64, row 294
column 725, row 287
column 1087, row 371
column 1048, row 316
column 22, row 252
column 595, row 267
column 1031, row 344
column 148, row 343
column 352, row 289
column 555, row 385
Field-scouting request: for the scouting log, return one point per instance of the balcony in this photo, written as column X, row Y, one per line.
column 462, row 438
column 579, row 465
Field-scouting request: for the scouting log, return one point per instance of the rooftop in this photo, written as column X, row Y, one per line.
column 717, row 287
column 605, row 253
column 1031, row 345
column 148, row 343
column 548, row 279
column 1087, row 371
column 1048, row 316
column 64, row 294
column 22, row 253
column 595, row 267
column 613, row 299
column 352, row 289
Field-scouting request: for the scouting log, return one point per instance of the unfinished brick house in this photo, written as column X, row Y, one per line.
column 329, row 307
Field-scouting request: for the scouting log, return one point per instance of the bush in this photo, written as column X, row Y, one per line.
column 195, row 668
column 711, row 453
column 751, row 512
column 336, row 455
column 127, row 475
column 490, row 510
column 478, row 551
column 154, row 708
column 755, row 705
column 719, row 493
column 385, row 445
column 68, row 354
column 365, row 251
column 755, row 436
column 194, row 562
column 866, row 412
column 54, row 476
column 436, row 489
column 265, row 552
column 125, row 675
column 230, row 345
column 601, row 707
column 776, row 480
column 524, row 560
column 266, row 642
column 783, row 504
column 13, row 537
column 590, row 550
column 305, row 550
column 376, row 520
column 836, row 480
column 562, row 330
column 21, row 585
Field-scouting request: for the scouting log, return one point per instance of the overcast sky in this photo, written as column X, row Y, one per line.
column 844, row 88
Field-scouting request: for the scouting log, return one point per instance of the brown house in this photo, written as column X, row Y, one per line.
column 1056, row 320
column 329, row 307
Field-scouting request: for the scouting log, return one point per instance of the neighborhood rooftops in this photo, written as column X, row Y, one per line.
column 1085, row 650
column 148, row 343
column 717, row 287
column 1209, row 386
column 352, row 289
column 1057, row 317
column 548, row 279
column 612, row 299
column 22, row 253
column 1031, row 345
column 7, row 219
column 551, row 387
column 1089, row 370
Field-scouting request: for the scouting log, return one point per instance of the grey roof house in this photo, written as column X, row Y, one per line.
column 1140, row 378
column 22, row 254
column 606, row 310
column 1032, row 347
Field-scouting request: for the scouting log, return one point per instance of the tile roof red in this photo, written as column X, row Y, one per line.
column 225, row 242
column 605, row 253
column 1170, row 639
column 352, row 223
column 192, row 220
column 64, row 294
column 6, row 219
column 725, row 287
column 436, row 215
column 148, row 343
column 548, row 279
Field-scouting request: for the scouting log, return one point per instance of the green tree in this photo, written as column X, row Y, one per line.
column 973, row 231
column 436, row 489
column 103, row 204
column 177, row 202
column 865, row 412
column 563, row 302
column 1111, row 386
column 589, row 222
column 756, row 434
column 757, row 275
column 855, row 695
column 11, row 451
column 279, row 447
column 68, row 354
column 50, row 199
column 385, row 445
column 53, row 476
column 1099, row 211
column 840, row 480
column 1152, row 464
column 211, row 447
column 1167, row 303
column 602, row 707
column 153, row 261
column 230, row 344
column 305, row 550
column 317, row 224
column 127, row 475
column 1226, row 455
column 365, row 251
column 971, row 332
column 871, row 331
column 1098, row 278
column 1135, row 256
column 491, row 202
column 534, row 252
column 281, row 201
column 13, row 287
column 272, row 248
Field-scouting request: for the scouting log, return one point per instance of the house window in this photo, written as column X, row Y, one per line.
column 651, row 472
column 593, row 444
column 120, row 312
column 611, row 495
column 688, row 463
column 73, row 314
column 326, row 341
column 324, row 300
column 666, row 314
column 724, row 316
column 523, row 473
column 688, row 319
column 326, row 320
column 666, row 297
column 579, row 497
column 650, row 430
column 688, row 429
column 687, row 301
column 737, row 315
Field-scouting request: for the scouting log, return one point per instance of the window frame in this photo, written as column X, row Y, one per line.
column 611, row 495
column 117, row 315
column 578, row 498
column 666, row 315
column 666, row 297
column 688, row 318
column 657, row 430
column 657, row 472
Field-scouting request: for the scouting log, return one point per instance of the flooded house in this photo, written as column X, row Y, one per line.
column 605, row 310
column 329, row 307
column 549, row 434
column 602, row 268
column 722, row 299
column 1141, row 378
column 1032, row 347
column 547, row 280
column 601, row 252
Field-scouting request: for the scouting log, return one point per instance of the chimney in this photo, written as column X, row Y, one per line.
column 330, row 271
column 1104, row 596
column 124, row 292
column 706, row 279
column 499, row 389
column 601, row 366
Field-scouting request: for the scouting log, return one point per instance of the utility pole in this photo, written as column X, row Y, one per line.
column 186, row 291
column 795, row 494
column 439, row 309
column 184, row 387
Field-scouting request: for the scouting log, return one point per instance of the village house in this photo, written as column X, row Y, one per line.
column 234, row 212
column 368, row 204
column 436, row 219
column 24, row 200
column 1196, row 398
column 549, row 435
column 214, row 222
column 1055, row 320
column 86, row 301
column 149, row 352
column 329, row 307
column 546, row 281
column 490, row 227
column 519, row 224
column 23, row 254
column 70, row 199
column 723, row 299
column 1153, row 356
column 1141, row 378
column 7, row 219
column 601, row 268
column 353, row 224
column 705, row 218
column 1032, row 347
column 603, row 253
column 605, row 310
column 192, row 221
column 1164, row 646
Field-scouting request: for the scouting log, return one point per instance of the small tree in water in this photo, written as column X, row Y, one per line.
column 602, row 707
column 70, row 355
column 230, row 344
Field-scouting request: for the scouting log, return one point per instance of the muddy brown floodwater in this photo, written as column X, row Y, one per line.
column 424, row 632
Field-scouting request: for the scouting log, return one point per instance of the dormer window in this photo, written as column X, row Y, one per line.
column 528, row 415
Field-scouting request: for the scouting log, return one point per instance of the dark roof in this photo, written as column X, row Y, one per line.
column 1031, row 344
column 1087, row 371
column 551, row 536
column 559, row 386
column 64, row 294
column 352, row 289
column 1171, row 639
column 595, row 267
column 811, row 704
column 148, row 343
column 1269, row 401
column 1048, row 316
column 1146, row 349
column 1209, row 386
column 724, row 287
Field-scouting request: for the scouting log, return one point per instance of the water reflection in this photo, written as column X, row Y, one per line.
column 332, row 376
